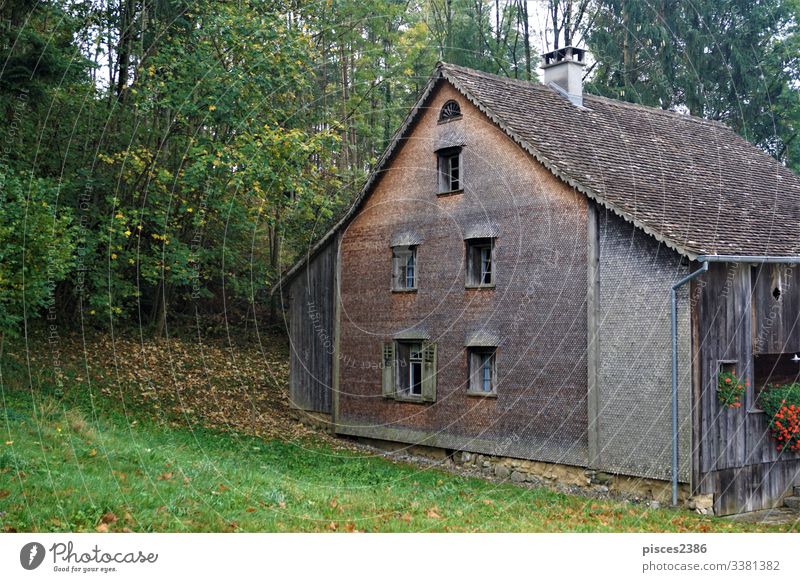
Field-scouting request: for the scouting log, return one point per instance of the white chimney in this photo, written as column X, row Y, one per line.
column 563, row 70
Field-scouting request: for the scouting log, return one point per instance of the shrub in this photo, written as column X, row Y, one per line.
column 36, row 247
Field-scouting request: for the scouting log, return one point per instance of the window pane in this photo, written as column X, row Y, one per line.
column 486, row 372
column 416, row 378
column 415, row 370
column 404, row 267
column 486, row 266
column 454, row 173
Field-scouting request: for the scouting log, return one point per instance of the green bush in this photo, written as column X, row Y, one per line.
column 36, row 246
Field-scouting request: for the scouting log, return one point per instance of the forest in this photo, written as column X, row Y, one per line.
column 163, row 161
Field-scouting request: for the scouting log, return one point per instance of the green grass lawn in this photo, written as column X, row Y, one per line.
column 120, row 441
column 62, row 470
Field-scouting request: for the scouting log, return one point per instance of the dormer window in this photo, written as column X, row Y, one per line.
column 450, row 110
column 450, row 174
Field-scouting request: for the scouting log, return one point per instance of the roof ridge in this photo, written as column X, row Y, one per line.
column 492, row 76
column 591, row 96
column 658, row 111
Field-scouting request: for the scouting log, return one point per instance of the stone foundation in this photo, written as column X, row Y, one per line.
column 658, row 492
column 316, row 420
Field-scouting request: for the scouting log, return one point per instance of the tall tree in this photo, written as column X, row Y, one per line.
column 734, row 61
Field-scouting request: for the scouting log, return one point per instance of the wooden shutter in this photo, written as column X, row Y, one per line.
column 388, row 370
column 429, row 372
column 395, row 269
column 474, row 368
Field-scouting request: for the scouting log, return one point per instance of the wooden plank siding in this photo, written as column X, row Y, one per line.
column 777, row 320
column 736, row 457
column 311, row 332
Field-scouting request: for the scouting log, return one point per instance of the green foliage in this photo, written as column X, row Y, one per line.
column 36, row 247
column 489, row 36
column 734, row 61
column 236, row 160
column 730, row 389
column 774, row 398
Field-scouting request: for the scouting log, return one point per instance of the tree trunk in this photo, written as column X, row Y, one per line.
column 275, row 244
column 526, row 36
column 126, row 18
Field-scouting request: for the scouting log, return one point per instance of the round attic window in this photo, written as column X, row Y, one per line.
column 450, row 110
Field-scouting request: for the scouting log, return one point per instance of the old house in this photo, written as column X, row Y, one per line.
column 536, row 273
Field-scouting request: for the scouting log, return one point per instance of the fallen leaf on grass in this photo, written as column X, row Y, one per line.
column 4, row 493
column 165, row 476
column 332, row 526
column 433, row 514
column 102, row 528
column 250, row 509
column 108, row 517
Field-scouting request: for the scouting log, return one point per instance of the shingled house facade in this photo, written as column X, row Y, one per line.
column 535, row 273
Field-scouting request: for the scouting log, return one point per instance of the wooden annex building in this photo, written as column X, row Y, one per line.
column 504, row 285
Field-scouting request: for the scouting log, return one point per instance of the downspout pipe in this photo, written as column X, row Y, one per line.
column 675, row 288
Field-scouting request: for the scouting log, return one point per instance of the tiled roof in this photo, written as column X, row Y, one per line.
column 694, row 184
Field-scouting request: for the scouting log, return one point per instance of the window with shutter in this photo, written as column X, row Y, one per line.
column 413, row 371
